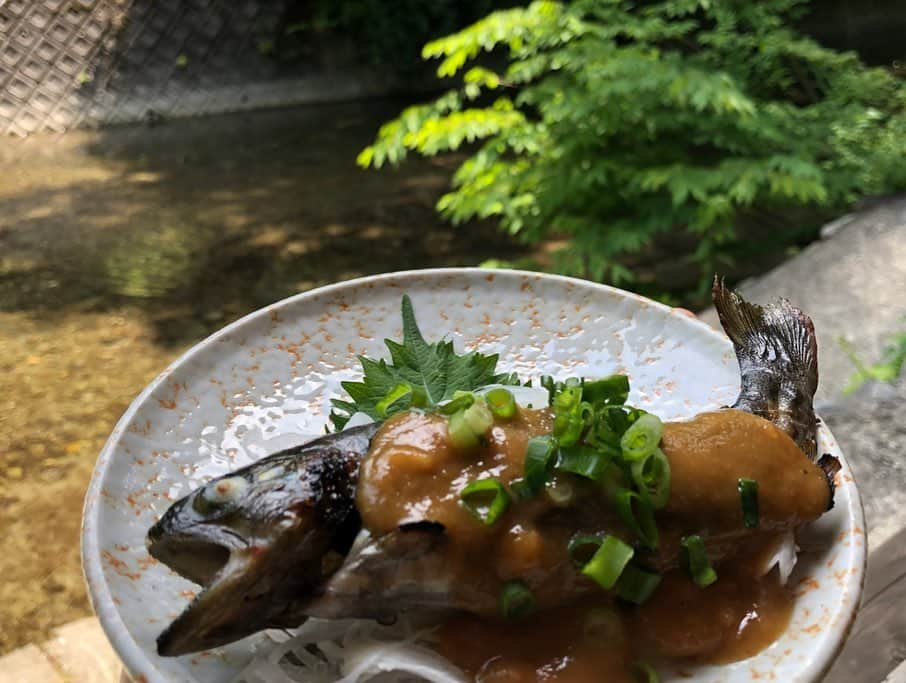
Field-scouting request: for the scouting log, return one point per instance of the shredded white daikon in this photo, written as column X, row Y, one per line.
column 783, row 557
column 351, row 651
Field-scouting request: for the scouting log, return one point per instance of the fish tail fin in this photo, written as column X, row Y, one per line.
column 778, row 362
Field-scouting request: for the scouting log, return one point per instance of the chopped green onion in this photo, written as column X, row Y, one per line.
column 697, row 563
column 569, row 412
column 394, row 400
column 613, row 390
column 609, row 423
column 567, row 399
column 642, row 437
column 548, row 383
column 606, row 445
column 461, row 435
column 651, row 475
column 538, row 457
column 638, row 516
column 644, row 673
column 516, row 600
column 748, row 498
column 487, row 499
column 466, row 428
column 461, row 402
column 568, row 428
column 636, row 585
column 582, row 460
column 618, row 418
column 608, row 562
column 502, row 403
column 582, row 547
column 479, row 418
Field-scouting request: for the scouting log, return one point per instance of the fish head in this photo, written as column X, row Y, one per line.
column 197, row 534
column 258, row 540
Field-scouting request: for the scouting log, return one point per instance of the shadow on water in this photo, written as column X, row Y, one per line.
column 204, row 220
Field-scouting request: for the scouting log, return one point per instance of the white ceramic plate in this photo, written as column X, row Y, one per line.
column 264, row 382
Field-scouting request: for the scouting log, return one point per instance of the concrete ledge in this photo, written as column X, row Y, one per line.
column 181, row 102
column 898, row 675
column 28, row 664
column 77, row 653
column 81, row 651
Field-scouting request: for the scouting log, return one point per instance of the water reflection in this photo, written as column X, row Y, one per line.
column 153, row 263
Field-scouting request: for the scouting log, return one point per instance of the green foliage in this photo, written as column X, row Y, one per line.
column 432, row 372
column 391, row 33
column 887, row 370
column 613, row 122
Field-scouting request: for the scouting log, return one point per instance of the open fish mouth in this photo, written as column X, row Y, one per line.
column 212, row 556
column 210, row 618
column 197, row 558
column 240, row 581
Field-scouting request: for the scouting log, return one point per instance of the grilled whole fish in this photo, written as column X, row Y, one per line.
column 284, row 539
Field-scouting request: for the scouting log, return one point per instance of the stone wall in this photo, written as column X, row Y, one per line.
column 68, row 63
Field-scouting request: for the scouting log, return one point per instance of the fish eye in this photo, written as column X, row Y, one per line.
column 218, row 494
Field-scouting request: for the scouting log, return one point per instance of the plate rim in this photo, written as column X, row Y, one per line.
column 134, row 658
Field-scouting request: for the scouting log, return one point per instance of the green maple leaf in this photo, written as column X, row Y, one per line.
column 419, row 374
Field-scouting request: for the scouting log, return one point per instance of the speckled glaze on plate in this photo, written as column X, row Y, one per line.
column 264, row 383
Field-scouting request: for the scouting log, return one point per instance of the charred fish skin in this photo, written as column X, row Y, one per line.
column 258, row 539
column 778, row 362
